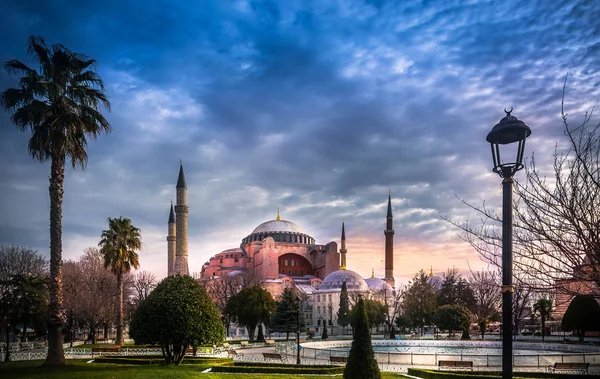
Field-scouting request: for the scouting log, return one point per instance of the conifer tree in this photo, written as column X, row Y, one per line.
column 286, row 313
column 361, row 361
column 343, row 318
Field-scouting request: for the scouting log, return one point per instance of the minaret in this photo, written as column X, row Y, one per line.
column 171, row 244
column 389, row 245
column 181, row 211
column 343, row 250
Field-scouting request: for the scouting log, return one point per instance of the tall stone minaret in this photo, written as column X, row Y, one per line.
column 343, row 250
column 171, row 243
column 181, row 212
column 389, row 245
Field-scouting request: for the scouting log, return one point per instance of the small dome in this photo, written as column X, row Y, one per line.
column 336, row 279
column 379, row 285
column 278, row 226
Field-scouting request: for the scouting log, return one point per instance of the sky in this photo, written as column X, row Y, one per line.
column 318, row 108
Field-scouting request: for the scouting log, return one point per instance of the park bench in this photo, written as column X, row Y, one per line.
column 270, row 342
column 232, row 353
column 338, row 359
column 455, row 365
column 576, row 368
column 272, row 356
column 244, row 344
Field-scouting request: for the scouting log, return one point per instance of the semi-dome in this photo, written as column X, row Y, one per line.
column 379, row 285
column 336, row 279
column 278, row 226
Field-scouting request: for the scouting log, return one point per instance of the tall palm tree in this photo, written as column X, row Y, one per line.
column 119, row 244
column 543, row 308
column 59, row 103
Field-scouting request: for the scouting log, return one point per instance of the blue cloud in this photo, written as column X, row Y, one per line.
column 318, row 108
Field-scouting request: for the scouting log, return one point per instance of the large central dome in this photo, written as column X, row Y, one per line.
column 281, row 231
column 278, row 226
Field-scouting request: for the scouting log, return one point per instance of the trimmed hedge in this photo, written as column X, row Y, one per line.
column 434, row 374
column 157, row 359
column 266, row 368
column 269, row 364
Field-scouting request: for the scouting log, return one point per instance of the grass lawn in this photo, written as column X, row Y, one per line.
column 78, row 369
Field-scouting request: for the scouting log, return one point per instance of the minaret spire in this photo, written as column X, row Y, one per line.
column 343, row 250
column 181, row 220
column 389, row 244
column 171, row 243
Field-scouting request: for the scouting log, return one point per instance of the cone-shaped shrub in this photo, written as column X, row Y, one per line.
column 324, row 335
column 361, row 361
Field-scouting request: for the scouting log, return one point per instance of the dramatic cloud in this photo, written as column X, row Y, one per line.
column 317, row 109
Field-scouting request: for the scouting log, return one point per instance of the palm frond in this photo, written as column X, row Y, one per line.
column 60, row 102
column 16, row 67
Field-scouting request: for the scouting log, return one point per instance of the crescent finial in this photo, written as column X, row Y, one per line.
column 508, row 112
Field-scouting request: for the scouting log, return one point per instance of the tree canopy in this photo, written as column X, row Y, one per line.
column 361, row 360
column 420, row 301
column 286, row 314
column 252, row 306
column 543, row 309
column 455, row 290
column 177, row 314
column 582, row 315
column 376, row 313
column 343, row 314
column 453, row 317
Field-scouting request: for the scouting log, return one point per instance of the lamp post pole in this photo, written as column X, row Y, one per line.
column 507, row 287
column 7, row 356
column 299, row 302
column 508, row 131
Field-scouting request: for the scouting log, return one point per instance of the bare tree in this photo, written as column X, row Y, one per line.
column 222, row 288
column 142, row 284
column 392, row 300
column 557, row 218
column 89, row 291
column 18, row 260
column 486, row 291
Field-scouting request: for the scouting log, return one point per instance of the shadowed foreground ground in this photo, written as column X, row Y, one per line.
column 78, row 369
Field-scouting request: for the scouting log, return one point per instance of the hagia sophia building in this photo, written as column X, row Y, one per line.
column 282, row 255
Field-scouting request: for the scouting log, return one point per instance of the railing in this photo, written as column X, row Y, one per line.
column 321, row 353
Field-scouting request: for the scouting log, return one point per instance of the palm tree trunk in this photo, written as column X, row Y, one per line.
column 119, row 340
column 56, row 355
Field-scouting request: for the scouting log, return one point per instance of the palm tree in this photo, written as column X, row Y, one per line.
column 59, row 104
column 543, row 308
column 119, row 244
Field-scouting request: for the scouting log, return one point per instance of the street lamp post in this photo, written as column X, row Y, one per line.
column 7, row 357
column 299, row 301
column 508, row 131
